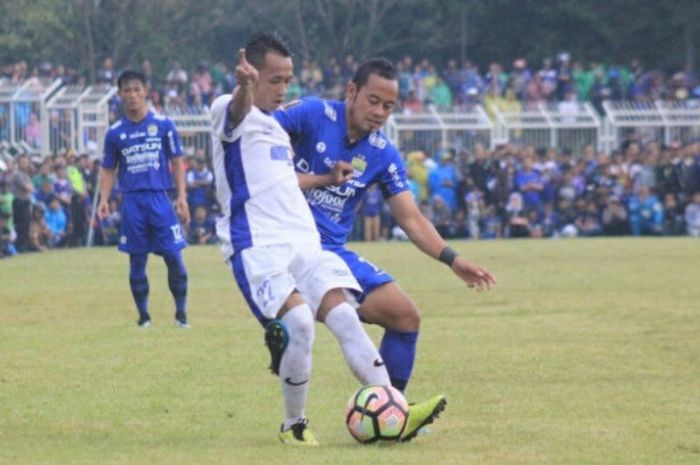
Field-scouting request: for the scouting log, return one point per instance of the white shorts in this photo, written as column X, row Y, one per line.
column 268, row 275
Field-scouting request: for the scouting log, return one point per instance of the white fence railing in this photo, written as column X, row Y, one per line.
column 44, row 117
column 23, row 114
column 662, row 121
column 431, row 131
column 563, row 125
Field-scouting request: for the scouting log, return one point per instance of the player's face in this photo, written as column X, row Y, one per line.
column 133, row 95
column 370, row 106
column 273, row 79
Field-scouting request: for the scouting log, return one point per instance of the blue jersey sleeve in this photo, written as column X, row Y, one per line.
column 173, row 148
column 295, row 116
column 394, row 178
column 111, row 152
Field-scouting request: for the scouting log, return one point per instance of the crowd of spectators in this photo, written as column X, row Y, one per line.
column 451, row 85
column 640, row 189
column 512, row 191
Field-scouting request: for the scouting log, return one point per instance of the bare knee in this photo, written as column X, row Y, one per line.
column 389, row 307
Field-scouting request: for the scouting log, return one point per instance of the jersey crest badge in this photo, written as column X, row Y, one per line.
column 152, row 130
column 321, row 147
column 359, row 165
column 330, row 112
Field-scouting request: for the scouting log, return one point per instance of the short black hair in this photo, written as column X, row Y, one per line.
column 379, row 66
column 130, row 75
column 262, row 42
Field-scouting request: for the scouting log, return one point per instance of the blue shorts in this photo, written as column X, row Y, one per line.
column 149, row 224
column 366, row 273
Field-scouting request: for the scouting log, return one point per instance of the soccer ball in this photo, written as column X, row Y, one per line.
column 376, row 413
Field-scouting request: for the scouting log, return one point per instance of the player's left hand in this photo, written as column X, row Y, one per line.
column 183, row 210
column 472, row 274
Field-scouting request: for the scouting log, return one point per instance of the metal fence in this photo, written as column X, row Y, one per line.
column 662, row 121
column 432, row 131
column 564, row 125
column 23, row 114
column 44, row 117
column 78, row 119
column 194, row 128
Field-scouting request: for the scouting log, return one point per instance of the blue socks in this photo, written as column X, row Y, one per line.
column 398, row 350
column 139, row 283
column 177, row 282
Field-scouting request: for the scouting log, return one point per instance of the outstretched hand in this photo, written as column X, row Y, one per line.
column 472, row 274
column 341, row 173
column 246, row 74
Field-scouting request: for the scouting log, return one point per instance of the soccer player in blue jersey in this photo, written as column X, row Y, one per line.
column 140, row 150
column 340, row 152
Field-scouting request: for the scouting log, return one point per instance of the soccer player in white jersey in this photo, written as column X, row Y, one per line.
column 140, row 149
column 270, row 238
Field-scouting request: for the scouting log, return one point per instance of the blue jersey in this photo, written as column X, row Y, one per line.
column 141, row 152
column 319, row 137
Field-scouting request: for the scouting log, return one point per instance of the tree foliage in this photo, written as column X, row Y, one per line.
column 80, row 33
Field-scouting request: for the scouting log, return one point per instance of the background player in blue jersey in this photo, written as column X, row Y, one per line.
column 340, row 153
column 140, row 149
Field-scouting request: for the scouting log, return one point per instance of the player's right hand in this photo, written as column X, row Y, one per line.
column 341, row 173
column 246, row 74
column 103, row 210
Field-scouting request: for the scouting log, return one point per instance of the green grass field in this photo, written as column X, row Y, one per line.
column 587, row 352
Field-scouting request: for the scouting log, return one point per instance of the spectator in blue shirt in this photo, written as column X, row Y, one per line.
column 646, row 213
column 200, row 182
column 442, row 180
column 56, row 221
column 528, row 182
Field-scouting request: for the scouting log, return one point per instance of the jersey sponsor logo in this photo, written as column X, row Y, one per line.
column 122, row 136
column 303, row 166
column 330, row 112
column 394, row 172
column 279, row 152
column 332, row 199
column 321, row 147
column 358, row 184
column 134, row 135
column 378, row 362
column 376, row 140
column 340, row 272
column 328, row 162
column 140, row 157
column 152, row 130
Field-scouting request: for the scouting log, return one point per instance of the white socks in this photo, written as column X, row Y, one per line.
column 295, row 366
column 359, row 351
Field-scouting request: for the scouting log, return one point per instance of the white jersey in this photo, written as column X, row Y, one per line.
column 256, row 184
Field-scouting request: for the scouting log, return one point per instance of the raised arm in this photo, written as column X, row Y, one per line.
column 423, row 234
column 242, row 97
